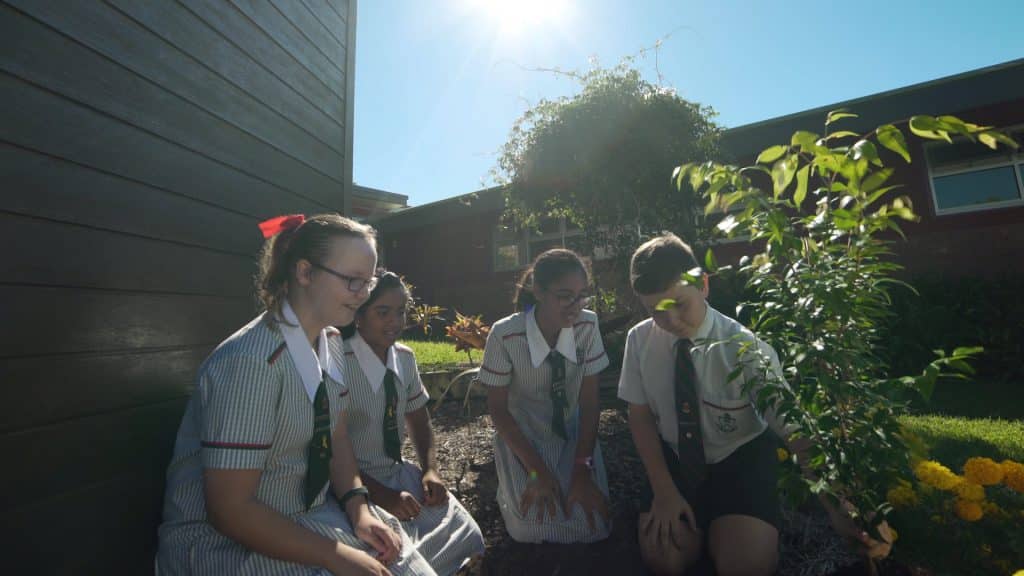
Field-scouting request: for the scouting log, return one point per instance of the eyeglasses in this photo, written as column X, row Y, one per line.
column 355, row 283
column 568, row 300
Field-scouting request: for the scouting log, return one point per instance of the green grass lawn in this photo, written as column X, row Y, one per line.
column 438, row 355
column 954, row 439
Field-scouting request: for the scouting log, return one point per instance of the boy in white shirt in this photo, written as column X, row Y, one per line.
column 710, row 459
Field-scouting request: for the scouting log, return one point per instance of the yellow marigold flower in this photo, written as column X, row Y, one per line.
column 1014, row 479
column 934, row 474
column 968, row 510
column 984, row 471
column 1013, row 474
column 1019, row 573
column 902, row 496
column 782, row 454
column 968, row 490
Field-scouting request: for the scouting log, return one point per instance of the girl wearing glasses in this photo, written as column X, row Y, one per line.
column 541, row 366
column 263, row 478
column 387, row 398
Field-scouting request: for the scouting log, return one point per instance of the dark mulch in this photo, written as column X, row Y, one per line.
column 465, row 457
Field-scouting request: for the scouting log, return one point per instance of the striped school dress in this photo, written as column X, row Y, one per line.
column 514, row 356
column 445, row 536
column 252, row 410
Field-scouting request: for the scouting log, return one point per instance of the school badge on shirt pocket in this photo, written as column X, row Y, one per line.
column 726, row 423
column 729, row 417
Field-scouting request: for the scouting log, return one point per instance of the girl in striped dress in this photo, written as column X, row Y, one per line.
column 387, row 398
column 541, row 366
column 263, row 479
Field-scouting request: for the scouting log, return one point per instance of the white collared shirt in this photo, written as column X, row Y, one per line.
column 370, row 363
column 539, row 349
column 729, row 417
column 311, row 365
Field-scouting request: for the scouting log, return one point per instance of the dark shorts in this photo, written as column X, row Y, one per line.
column 744, row 483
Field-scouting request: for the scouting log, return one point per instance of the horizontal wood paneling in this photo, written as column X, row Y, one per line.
column 65, row 320
column 105, row 83
column 212, row 49
column 140, row 144
column 251, row 39
column 84, row 451
column 68, row 386
column 105, row 528
column 58, row 189
column 45, row 121
column 334, row 22
column 313, row 30
column 56, row 254
column 290, row 38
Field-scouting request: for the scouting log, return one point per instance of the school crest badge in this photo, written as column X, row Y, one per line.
column 726, row 423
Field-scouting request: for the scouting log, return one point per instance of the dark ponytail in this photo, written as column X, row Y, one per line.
column 547, row 268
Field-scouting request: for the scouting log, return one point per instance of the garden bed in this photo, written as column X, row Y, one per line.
column 465, row 454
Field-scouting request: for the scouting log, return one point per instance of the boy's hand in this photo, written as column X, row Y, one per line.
column 666, row 518
column 845, row 526
column 584, row 491
column 541, row 489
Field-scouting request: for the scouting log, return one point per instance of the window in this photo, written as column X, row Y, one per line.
column 507, row 248
column 514, row 249
column 967, row 176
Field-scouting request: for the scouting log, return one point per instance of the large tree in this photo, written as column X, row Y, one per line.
column 603, row 158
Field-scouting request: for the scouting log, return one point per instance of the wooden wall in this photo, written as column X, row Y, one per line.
column 140, row 143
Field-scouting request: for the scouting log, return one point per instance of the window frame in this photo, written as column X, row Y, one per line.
column 1014, row 161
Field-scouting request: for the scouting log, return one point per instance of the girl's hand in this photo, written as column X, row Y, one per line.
column 434, row 491
column 348, row 560
column 584, row 491
column 380, row 536
column 541, row 489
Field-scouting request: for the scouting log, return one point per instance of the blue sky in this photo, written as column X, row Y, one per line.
column 440, row 82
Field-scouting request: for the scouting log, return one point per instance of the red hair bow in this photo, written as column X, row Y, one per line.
column 280, row 224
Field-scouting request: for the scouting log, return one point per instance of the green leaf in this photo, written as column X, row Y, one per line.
column 783, row 172
column 992, row 138
column 770, row 154
column 838, row 115
column 876, row 179
column 801, row 185
column 878, row 194
column 807, row 141
column 841, row 134
column 892, row 138
column 696, row 177
column 679, row 174
column 710, row 263
column 666, row 304
column 965, row 351
column 929, row 128
column 865, row 149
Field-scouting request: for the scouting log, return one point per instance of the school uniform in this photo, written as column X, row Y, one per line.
column 253, row 409
column 721, row 426
column 518, row 357
column 446, row 535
